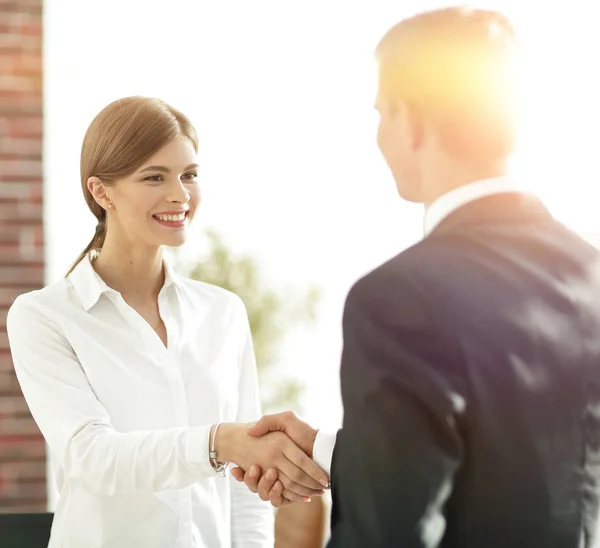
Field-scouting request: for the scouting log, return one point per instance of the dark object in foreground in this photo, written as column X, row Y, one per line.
column 25, row 530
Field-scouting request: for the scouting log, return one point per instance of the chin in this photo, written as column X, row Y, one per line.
column 410, row 193
column 172, row 240
column 175, row 242
column 408, row 186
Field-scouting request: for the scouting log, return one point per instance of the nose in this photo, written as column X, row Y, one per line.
column 178, row 193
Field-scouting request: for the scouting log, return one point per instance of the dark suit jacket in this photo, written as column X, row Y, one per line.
column 471, row 389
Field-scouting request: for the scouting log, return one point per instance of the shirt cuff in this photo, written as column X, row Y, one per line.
column 196, row 450
column 323, row 450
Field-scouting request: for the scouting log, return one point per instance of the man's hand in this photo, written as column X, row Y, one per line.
column 267, row 485
column 300, row 432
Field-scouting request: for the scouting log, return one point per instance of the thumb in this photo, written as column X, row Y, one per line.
column 269, row 423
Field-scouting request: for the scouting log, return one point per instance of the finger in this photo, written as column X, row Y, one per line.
column 307, row 471
column 252, row 477
column 269, row 423
column 276, row 495
column 291, row 498
column 298, row 489
column 266, row 484
column 238, row 474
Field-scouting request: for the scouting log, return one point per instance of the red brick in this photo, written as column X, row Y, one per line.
column 19, row 489
column 18, row 191
column 29, row 471
column 23, row 241
column 31, row 244
column 5, row 357
column 18, row 170
column 10, row 42
column 18, row 104
column 3, row 346
column 31, row 148
column 25, row 126
column 10, row 234
column 9, row 385
column 29, row 63
column 19, row 275
column 22, row 506
column 15, row 406
column 35, row 490
column 16, row 233
column 15, row 95
column 14, row 251
column 18, row 426
column 21, row 211
column 8, row 382
column 31, row 7
column 22, row 448
column 10, row 82
column 21, row 63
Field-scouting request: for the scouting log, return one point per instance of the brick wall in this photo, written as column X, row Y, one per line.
column 22, row 453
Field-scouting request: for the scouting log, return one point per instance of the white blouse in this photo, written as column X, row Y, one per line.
column 127, row 419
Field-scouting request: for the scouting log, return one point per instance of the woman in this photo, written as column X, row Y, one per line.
column 141, row 380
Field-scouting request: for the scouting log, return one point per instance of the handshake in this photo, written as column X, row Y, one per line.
column 274, row 457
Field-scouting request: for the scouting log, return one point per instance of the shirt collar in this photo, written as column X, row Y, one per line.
column 439, row 209
column 89, row 286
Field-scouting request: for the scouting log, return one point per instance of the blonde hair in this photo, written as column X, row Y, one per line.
column 456, row 66
column 119, row 140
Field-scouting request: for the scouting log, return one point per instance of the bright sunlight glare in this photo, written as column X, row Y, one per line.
column 559, row 118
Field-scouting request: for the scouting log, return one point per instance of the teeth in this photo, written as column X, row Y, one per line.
column 172, row 218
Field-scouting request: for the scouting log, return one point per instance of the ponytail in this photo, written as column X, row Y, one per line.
column 96, row 243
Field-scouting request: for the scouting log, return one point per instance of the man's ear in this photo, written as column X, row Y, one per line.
column 98, row 191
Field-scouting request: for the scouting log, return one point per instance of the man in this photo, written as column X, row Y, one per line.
column 471, row 363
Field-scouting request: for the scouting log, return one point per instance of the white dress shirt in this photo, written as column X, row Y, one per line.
column 439, row 209
column 435, row 213
column 127, row 419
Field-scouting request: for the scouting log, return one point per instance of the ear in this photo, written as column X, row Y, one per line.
column 98, row 191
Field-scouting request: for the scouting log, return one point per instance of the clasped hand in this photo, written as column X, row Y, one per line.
column 279, row 469
column 296, row 474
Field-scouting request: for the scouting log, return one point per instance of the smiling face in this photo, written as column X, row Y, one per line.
column 154, row 205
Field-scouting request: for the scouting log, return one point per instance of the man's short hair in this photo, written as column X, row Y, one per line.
column 455, row 66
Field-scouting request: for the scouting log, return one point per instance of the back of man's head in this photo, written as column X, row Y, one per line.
column 455, row 67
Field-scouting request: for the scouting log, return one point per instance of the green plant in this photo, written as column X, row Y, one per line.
column 271, row 314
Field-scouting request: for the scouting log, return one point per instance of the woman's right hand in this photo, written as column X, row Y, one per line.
column 297, row 472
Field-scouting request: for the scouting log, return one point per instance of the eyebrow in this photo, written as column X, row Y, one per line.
column 163, row 169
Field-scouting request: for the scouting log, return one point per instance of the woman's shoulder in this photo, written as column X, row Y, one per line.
column 38, row 303
column 53, row 294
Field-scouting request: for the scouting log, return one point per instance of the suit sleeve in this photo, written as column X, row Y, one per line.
column 400, row 447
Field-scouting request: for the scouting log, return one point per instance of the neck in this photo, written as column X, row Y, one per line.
column 136, row 273
column 445, row 177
